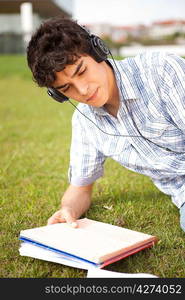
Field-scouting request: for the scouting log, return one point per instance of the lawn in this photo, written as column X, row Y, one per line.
column 35, row 137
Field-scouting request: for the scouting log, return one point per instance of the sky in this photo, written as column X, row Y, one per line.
column 127, row 12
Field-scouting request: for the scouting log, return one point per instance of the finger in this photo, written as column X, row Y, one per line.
column 70, row 219
column 61, row 216
column 56, row 218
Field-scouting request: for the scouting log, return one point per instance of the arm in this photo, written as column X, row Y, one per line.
column 75, row 202
column 86, row 165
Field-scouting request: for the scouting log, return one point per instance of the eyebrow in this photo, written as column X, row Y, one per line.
column 76, row 71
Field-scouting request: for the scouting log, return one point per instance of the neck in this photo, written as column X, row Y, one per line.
column 112, row 104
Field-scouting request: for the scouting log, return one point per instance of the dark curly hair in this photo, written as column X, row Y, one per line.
column 56, row 43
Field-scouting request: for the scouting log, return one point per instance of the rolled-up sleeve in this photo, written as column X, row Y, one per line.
column 86, row 161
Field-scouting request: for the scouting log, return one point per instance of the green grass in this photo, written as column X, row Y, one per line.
column 35, row 137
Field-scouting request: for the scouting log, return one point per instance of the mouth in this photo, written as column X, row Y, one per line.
column 93, row 96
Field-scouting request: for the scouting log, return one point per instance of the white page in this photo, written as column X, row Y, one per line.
column 99, row 273
column 34, row 251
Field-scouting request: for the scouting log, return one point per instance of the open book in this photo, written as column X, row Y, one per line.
column 93, row 243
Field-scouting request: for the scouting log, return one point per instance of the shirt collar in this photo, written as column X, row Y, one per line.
column 126, row 91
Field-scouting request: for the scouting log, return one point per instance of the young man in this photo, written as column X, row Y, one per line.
column 134, row 112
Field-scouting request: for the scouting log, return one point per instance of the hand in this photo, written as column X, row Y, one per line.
column 63, row 215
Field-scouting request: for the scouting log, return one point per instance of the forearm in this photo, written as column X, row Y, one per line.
column 78, row 199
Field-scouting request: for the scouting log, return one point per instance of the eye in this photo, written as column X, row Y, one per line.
column 82, row 72
column 65, row 90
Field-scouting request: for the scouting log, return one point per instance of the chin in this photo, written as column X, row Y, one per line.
column 98, row 104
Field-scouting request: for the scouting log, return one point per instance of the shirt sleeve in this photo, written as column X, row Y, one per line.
column 86, row 162
column 173, row 89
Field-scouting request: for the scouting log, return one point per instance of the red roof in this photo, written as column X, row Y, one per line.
column 169, row 22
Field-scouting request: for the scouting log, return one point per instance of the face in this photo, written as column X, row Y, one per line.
column 86, row 81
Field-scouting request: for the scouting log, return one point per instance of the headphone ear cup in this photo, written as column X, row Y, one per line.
column 99, row 50
column 56, row 95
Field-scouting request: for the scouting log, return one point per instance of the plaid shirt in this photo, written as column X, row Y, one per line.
column 151, row 115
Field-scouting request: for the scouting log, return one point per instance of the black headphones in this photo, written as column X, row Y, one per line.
column 99, row 52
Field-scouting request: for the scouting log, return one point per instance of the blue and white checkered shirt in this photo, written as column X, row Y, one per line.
column 152, row 105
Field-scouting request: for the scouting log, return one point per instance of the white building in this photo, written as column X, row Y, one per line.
column 165, row 28
column 11, row 30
